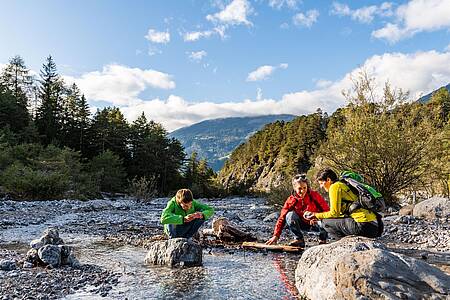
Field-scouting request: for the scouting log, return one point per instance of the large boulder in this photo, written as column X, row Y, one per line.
column 380, row 274
column 361, row 268
column 175, row 252
column 314, row 275
column 432, row 208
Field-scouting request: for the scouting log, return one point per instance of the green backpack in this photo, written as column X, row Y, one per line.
column 368, row 197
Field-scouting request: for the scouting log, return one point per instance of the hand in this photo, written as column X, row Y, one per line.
column 308, row 215
column 313, row 221
column 272, row 240
column 189, row 218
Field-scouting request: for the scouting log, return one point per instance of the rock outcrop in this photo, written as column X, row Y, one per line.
column 432, row 208
column 361, row 268
column 175, row 252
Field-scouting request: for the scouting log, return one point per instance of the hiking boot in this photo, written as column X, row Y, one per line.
column 297, row 243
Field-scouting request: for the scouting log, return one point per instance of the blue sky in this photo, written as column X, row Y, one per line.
column 185, row 61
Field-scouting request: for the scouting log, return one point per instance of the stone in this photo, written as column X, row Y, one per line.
column 8, row 265
column 432, row 208
column 406, row 210
column 37, row 243
column 272, row 217
column 314, row 275
column 50, row 255
column 175, row 252
column 380, row 274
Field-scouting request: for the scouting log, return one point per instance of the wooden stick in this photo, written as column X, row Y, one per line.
column 285, row 248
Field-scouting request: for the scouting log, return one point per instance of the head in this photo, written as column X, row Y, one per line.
column 184, row 198
column 326, row 177
column 300, row 184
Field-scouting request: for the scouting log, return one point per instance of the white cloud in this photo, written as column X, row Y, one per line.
column 196, row 35
column 419, row 73
column 279, row 4
column 159, row 37
column 197, row 56
column 364, row 14
column 306, row 20
column 414, row 17
column 235, row 13
column 120, row 85
column 264, row 72
column 259, row 94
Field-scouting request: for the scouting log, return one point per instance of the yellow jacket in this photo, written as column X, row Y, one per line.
column 338, row 192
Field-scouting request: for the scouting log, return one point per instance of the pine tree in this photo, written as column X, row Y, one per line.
column 49, row 113
column 16, row 79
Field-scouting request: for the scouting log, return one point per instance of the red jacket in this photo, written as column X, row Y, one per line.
column 312, row 201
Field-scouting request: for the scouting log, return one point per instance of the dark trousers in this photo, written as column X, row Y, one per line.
column 341, row 227
column 296, row 225
column 186, row 230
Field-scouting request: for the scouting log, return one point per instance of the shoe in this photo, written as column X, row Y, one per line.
column 297, row 243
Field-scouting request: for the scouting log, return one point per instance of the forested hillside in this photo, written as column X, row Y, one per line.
column 396, row 144
column 51, row 146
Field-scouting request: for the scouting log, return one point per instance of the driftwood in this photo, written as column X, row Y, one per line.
column 284, row 248
column 226, row 231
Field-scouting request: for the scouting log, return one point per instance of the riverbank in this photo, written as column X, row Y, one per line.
column 110, row 237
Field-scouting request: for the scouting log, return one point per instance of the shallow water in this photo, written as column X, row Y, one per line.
column 237, row 275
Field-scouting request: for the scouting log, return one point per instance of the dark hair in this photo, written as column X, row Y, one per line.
column 300, row 178
column 327, row 173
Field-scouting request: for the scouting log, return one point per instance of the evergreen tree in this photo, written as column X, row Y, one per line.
column 16, row 79
column 49, row 113
column 109, row 131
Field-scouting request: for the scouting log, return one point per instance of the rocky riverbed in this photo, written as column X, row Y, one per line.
column 99, row 230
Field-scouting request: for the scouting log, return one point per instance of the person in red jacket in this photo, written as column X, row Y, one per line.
column 302, row 199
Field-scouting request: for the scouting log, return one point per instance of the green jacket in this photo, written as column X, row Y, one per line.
column 174, row 214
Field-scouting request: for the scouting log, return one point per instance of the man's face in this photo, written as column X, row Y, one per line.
column 325, row 184
column 185, row 206
column 301, row 188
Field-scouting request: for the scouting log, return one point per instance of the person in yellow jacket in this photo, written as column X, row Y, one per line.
column 338, row 222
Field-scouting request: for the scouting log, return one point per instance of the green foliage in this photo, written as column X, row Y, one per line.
column 108, row 171
column 30, row 171
column 274, row 154
column 390, row 142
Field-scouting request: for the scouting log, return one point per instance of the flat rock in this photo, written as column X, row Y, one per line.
column 175, row 252
column 432, row 208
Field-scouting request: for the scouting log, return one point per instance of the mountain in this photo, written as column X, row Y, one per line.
column 426, row 98
column 216, row 139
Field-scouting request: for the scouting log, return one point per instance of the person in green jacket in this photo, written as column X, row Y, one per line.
column 183, row 216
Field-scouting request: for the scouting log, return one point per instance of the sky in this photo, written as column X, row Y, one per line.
column 185, row 61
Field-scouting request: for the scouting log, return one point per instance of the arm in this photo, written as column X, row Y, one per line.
column 168, row 215
column 282, row 218
column 206, row 210
column 335, row 203
column 323, row 205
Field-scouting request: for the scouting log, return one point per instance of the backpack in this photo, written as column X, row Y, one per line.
column 368, row 197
